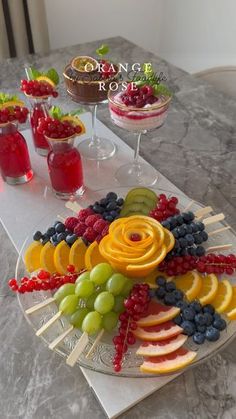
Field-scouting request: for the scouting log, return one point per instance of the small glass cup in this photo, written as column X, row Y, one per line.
column 14, row 156
column 65, row 168
column 39, row 109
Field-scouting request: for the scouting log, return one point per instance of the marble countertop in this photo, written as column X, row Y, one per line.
column 196, row 150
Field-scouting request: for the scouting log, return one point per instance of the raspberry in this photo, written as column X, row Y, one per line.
column 100, row 225
column 99, row 238
column 71, row 222
column 90, row 234
column 105, row 230
column 80, row 229
column 84, row 213
column 91, row 219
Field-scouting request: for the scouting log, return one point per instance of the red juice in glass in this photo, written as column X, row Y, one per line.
column 39, row 109
column 14, row 157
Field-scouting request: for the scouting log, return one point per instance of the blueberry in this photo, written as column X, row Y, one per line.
column 178, row 320
column 188, row 216
column 199, row 338
column 170, row 286
column 208, row 318
column 111, row 196
column 173, row 222
column 188, row 229
column 208, row 308
column 152, row 293
column 180, row 220
column 196, row 306
column 183, row 242
column 169, row 299
column 54, row 237
column 192, row 251
column 204, row 236
column 200, row 319
column 45, row 239
column 190, row 239
column 220, row 324
column 103, row 202
column 37, row 235
column 59, row 227
column 197, row 238
column 200, row 251
column 114, row 214
column 61, row 236
column 200, row 226
column 182, row 305
column 71, row 238
column 160, row 292
column 109, row 218
column 98, row 209
column 183, row 252
column 176, row 246
column 56, row 222
column 194, row 227
column 188, row 313
column 201, row 328
column 188, row 327
column 166, row 224
column 179, row 295
column 181, row 231
column 111, row 206
column 212, row 334
column 175, row 233
column 161, row 281
column 105, row 214
column 51, row 231
column 120, row 202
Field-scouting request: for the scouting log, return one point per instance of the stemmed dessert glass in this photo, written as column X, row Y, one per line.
column 139, row 121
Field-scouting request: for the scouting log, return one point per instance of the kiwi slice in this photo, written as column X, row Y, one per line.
column 145, row 192
column 135, row 207
column 140, row 199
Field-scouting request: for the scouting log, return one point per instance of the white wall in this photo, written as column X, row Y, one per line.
column 192, row 34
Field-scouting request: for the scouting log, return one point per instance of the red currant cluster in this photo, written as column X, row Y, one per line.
column 37, row 88
column 88, row 225
column 54, row 128
column 166, row 207
column 43, row 281
column 136, row 306
column 15, row 113
column 138, row 96
column 107, row 69
column 211, row 263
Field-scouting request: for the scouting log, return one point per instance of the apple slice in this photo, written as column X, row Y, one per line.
column 168, row 363
column 159, row 332
column 163, row 347
column 158, row 313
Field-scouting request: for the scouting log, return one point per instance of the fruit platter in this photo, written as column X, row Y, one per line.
column 132, row 282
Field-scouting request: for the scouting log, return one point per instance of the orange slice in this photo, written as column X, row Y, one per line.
column 190, row 284
column 159, row 332
column 209, row 289
column 169, row 240
column 163, row 347
column 223, row 297
column 75, row 121
column 77, row 254
column 32, row 256
column 231, row 309
column 61, row 257
column 46, row 80
column 11, row 104
column 158, row 256
column 158, row 313
column 168, row 363
column 93, row 256
column 47, row 257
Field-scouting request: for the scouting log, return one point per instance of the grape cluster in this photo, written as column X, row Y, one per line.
column 166, row 207
column 189, row 235
column 54, row 128
column 15, row 113
column 38, row 88
column 136, row 306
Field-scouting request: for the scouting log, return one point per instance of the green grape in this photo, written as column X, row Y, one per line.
column 101, row 273
column 90, row 301
column 116, row 283
column 63, row 291
column 69, row 304
column 82, row 277
column 84, row 288
column 109, row 321
column 77, row 318
column 127, row 287
column 92, row 323
column 104, row 302
column 119, row 304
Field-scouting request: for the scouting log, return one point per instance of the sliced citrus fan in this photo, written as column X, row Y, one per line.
column 158, row 313
column 61, row 257
column 75, row 121
column 231, row 309
column 11, row 104
column 209, row 289
column 32, row 256
column 168, row 363
column 77, row 255
column 190, row 284
column 163, row 347
column 46, row 258
column 223, row 297
column 159, row 332
column 46, row 80
column 92, row 256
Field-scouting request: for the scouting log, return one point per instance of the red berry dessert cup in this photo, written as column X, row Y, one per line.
column 139, row 110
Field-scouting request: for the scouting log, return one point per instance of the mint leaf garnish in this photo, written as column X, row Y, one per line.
column 53, row 75
column 78, row 111
column 32, row 73
column 56, row 112
column 160, row 89
column 102, row 50
column 5, row 97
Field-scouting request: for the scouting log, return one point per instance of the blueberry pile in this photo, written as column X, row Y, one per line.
column 200, row 322
column 109, row 207
column 56, row 234
column 189, row 235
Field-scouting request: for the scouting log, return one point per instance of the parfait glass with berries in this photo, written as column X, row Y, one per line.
column 39, row 88
column 138, row 109
column 15, row 164
column 64, row 161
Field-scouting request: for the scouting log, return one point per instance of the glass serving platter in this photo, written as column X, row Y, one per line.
column 101, row 359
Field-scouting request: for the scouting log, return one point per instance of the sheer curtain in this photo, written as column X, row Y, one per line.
column 23, row 28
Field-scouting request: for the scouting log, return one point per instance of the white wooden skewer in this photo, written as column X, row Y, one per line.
column 190, row 204
column 213, row 219
column 202, row 212
column 60, row 338
column 38, row 306
column 49, row 323
column 62, row 219
column 219, row 247
column 219, row 230
column 78, row 349
column 73, row 206
column 97, row 340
